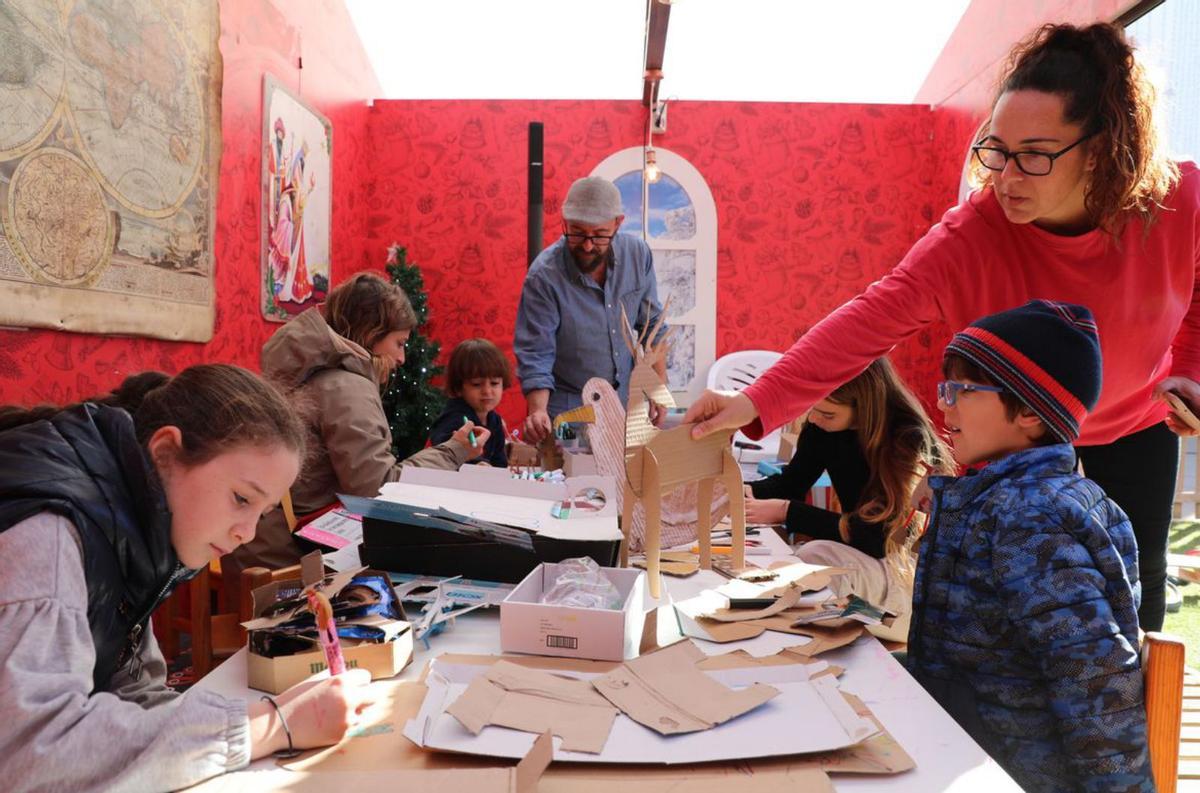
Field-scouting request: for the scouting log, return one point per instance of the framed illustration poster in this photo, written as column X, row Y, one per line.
column 296, row 203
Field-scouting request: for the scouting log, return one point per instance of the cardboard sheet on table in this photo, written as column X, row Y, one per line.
column 785, row 601
column 680, row 564
column 382, row 748
column 693, row 779
column 667, row 693
column 531, row 700
column 781, row 623
column 766, row 644
column 771, row 729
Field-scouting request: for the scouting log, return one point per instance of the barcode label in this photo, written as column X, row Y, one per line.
column 562, row 642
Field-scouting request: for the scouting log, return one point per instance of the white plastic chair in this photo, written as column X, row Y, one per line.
column 733, row 372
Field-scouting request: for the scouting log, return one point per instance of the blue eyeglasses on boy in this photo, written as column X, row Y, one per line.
column 948, row 390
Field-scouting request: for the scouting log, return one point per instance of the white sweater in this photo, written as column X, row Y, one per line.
column 55, row 734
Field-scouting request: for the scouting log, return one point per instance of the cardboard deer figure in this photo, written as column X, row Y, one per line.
column 604, row 418
column 657, row 461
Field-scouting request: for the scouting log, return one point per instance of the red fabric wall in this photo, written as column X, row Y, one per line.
column 813, row 203
column 256, row 37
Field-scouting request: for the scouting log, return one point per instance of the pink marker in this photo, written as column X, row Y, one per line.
column 322, row 611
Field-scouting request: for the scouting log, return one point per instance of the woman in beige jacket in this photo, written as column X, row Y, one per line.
column 335, row 358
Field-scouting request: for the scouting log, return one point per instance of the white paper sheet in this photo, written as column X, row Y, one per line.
column 528, row 513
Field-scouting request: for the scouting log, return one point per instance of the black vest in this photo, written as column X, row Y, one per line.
column 86, row 465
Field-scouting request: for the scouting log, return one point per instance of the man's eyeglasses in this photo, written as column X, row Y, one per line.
column 1031, row 163
column 599, row 240
column 948, row 390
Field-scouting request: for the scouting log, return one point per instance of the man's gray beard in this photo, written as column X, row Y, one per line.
column 603, row 258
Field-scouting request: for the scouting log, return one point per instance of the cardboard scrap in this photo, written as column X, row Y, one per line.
column 781, row 576
column 529, row 700
column 524, row 777
column 787, row 600
column 693, row 779
column 679, row 564
column 667, row 693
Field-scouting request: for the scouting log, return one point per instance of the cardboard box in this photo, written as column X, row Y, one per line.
column 276, row 675
column 527, row 626
column 393, row 541
column 382, row 659
column 579, row 464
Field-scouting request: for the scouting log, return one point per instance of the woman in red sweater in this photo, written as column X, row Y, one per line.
column 1077, row 204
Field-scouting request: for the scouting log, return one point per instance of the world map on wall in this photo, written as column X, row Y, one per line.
column 109, row 134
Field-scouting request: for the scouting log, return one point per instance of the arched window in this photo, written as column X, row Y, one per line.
column 681, row 229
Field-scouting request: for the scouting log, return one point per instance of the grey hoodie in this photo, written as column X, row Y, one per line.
column 56, row 734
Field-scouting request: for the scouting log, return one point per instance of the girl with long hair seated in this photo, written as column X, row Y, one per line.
column 105, row 508
column 878, row 445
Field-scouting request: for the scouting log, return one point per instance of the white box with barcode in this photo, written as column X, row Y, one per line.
column 529, row 626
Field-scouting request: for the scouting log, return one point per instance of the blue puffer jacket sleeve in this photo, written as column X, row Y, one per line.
column 1066, row 590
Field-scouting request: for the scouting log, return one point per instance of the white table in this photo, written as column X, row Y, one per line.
column 946, row 757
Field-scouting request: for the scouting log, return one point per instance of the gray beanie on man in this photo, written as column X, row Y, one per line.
column 592, row 200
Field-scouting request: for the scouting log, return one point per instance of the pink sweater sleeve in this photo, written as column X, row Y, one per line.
column 1185, row 350
column 843, row 344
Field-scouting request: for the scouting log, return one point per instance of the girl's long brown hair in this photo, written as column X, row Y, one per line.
column 900, row 446
column 1107, row 93
column 217, row 407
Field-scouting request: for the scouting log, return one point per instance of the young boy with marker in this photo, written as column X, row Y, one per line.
column 476, row 377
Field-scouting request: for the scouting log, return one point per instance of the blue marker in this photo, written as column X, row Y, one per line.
column 471, row 434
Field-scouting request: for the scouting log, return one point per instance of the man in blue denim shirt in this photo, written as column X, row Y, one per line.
column 569, row 318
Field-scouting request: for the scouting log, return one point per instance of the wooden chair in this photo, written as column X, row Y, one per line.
column 254, row 577
column 1162, row 665
column 213, row 635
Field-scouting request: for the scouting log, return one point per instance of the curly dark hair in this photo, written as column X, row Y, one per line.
column 1107, row 93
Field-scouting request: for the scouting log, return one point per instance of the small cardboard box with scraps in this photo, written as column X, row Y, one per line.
column 283, row 645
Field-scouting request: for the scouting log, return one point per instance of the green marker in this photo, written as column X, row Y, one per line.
column 471, row 434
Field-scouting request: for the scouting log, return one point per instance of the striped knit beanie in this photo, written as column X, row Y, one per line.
column 1046, row 353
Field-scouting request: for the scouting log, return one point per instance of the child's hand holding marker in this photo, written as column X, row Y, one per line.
column 471, row 437
column 322, row 611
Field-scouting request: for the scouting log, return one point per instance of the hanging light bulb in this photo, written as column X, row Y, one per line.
column 651, row 171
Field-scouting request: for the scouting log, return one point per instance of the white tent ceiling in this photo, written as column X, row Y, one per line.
column 737, row 50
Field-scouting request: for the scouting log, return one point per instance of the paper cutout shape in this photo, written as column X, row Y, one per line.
column 680, row 564
column 532, row 701
column 667, row 693
column 785, row 601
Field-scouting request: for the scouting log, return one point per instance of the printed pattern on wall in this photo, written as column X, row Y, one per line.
column 814, row 202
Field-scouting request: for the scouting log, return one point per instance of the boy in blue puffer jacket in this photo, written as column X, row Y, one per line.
column 1024, row 623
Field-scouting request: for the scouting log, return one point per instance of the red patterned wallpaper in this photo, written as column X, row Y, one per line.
column 53, row 366
column 813, row 203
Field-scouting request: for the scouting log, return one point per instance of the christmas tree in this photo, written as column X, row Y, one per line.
column 410, row 402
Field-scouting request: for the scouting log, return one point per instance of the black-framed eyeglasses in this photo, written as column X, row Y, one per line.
column 948, row 390
column 599, row 240
column 1031, row 163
